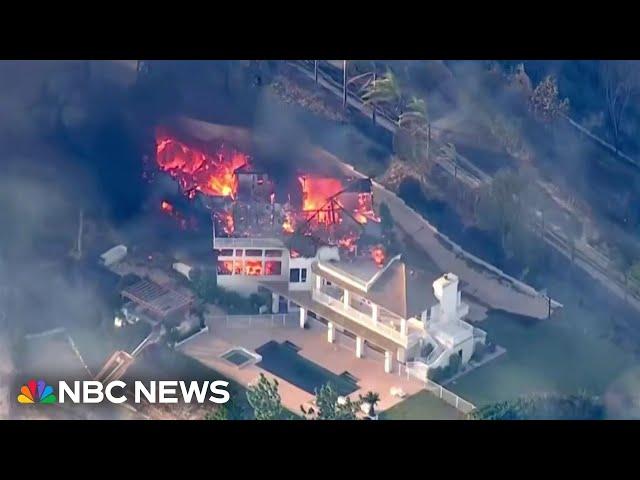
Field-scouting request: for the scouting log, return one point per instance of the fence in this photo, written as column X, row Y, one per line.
column 248, row 321
column 191, row 337
column 439, row 391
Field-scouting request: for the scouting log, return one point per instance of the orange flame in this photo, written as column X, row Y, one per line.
column 288, row 224
column 316, row 195
column 253, row 267
column 378, row 255
column 195, row 171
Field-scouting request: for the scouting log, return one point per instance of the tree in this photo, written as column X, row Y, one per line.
column 499, row 207
column 228, row 411
column 198, row 310
column 579, row 406
column 384, row 91
column 205, row 284
column 330, row 407
column 372, row 399
column 265, row 400
column 620, row 82
column 414, row 120
column 545, row 100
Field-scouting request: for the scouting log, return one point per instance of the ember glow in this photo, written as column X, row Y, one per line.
column 195, row 171
column 226, row 219
column 377, row 253
column 288, row 224
column 348, row 242
column 253, row 267
column 168, row 209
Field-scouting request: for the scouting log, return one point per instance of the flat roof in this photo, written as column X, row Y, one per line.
column 453, row 332
column 399, row 289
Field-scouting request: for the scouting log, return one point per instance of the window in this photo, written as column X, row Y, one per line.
column 238, row 267
column 224, row 267
column 225, row 253
column 253, row 253
column 273, row 253
column 272, row 267
column 294, row 275
column 303, row 275
column 238, row 252
column 253, row 267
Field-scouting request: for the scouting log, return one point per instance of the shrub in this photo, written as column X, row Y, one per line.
column 440, row 374
column 479, row 351
column 426, row 350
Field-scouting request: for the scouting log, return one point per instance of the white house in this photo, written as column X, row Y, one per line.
column 392, row 309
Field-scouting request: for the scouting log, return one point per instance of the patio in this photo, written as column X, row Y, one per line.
column 337, row 358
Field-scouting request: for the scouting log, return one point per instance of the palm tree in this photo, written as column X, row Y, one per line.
column 415, row 114
column 385, row 90
column 372, row 398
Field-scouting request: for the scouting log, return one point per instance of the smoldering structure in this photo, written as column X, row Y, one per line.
column 263, row 211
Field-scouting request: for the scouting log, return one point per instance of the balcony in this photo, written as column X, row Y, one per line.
column 359, row 317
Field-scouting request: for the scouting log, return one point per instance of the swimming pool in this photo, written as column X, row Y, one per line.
column 283, row 360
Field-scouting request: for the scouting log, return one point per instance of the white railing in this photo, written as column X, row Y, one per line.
column 419, row 371
column 275, row 319
column 359, row 317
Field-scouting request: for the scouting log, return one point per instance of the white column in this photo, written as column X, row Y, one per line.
column 374, row 312
column 303, row 317
column 403, row 326
column 345, row 298
column 359, row 347
column 318, row 282
column 331, row 332
column 401, row 355
column 275, row 303
column 388, row 361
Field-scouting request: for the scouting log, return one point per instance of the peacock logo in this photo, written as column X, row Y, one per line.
column 36, row 392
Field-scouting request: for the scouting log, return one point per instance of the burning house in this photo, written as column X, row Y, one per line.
column 263, row 227
column 300, row 237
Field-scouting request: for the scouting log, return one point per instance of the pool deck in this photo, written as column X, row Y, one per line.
column 337, row 357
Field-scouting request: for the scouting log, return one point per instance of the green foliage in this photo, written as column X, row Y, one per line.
column 198, row 310
column 228, row 411
column 504, row 209
column 440, row 374
column 385, row 90
column 204, row 285
column 372, row 398
column 328, row 407
column 265, row 400
column 544, row 407
column 480, row 349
